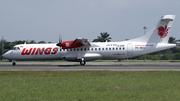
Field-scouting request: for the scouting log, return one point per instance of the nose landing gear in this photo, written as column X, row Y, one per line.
column 13, row 62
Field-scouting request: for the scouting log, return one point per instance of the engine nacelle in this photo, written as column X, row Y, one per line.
column 70, row 44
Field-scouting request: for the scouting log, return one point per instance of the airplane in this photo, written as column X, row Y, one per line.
column 81, row 50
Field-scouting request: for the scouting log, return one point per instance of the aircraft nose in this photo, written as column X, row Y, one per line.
column 4, row 55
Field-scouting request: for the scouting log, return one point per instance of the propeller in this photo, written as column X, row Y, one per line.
column 60, row 40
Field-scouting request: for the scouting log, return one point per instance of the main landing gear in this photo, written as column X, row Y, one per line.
column 82, row 62
column 13, row 62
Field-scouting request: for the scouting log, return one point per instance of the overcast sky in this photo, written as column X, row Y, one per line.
column 44, row 19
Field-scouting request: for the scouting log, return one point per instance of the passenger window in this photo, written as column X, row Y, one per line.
column 74, row 49
column 106, row 48
column 92, row 49
column 95, row 48
column 99, row 48
column 78, row 49
column 113, row 48
column 84, row 49
column 123, row 48
column 102, row 48
column 109, row 48
column 81, row 49
column 119, row 48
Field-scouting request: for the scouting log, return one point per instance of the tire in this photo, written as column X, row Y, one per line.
column 14, row 63
column 82, row 63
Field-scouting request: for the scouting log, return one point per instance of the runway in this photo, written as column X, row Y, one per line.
column 91, row 67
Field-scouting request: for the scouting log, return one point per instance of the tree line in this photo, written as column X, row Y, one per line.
column 169, row 54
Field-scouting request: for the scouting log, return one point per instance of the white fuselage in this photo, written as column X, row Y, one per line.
column 99, row 50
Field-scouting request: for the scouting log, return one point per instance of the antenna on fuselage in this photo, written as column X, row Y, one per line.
column 24, row 42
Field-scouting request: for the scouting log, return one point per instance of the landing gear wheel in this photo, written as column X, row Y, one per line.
column 14, row 63
column 82, row 63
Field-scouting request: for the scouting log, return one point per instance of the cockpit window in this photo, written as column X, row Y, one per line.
column 15, row 48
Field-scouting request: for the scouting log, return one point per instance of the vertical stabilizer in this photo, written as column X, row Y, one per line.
column 159, row 34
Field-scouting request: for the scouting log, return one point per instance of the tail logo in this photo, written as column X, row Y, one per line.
column 162, row 32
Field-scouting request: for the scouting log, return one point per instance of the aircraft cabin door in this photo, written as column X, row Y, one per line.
column 130, row 50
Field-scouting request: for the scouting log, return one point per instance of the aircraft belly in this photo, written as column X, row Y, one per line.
column 92, row 56
column 79, row 55
column 113, row 54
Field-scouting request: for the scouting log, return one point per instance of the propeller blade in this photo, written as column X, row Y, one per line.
column 60, row 40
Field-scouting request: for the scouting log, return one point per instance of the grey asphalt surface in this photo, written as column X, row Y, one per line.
column 91, row 66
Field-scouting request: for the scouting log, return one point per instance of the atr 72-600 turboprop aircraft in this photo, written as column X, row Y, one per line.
column 80, row 50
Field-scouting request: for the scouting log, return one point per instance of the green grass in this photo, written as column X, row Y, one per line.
column 89, row 85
